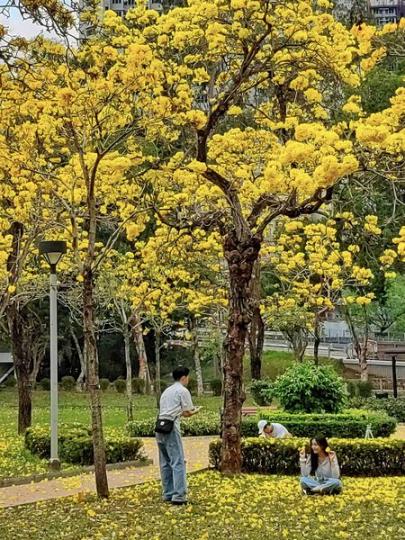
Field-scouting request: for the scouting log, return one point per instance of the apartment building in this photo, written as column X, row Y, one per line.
column 386, row 11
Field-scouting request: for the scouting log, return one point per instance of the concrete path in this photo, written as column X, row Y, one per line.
column 195, row 448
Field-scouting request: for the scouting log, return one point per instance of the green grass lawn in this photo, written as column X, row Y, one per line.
column 246, row 507
column 274, row 363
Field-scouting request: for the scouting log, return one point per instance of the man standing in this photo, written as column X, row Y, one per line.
column 175, row 402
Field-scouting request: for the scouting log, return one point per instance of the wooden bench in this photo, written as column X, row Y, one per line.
column 249, row 411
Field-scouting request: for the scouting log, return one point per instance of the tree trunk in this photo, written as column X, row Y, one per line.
column 158, row 391
column 361, row 349
column 37, row 357
column 20, row 348
column 298, row 341
column 363, row 364
column 137, row 334
column 128, row 366
column 256, row 328
column 82, row 376
column 240, row 256
column 317, row 342
column 93, row 385
column 196, row 356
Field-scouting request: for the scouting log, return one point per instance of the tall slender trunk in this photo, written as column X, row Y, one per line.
column 298, row 340
column 37, row 357
column 256, row 328
column 17, row 327
column 137, row 334
column 158, row 391
column 20, row 348
column 360, row 348
column 196, row 355
column 317, row 340
column 93, row 385
column 240, row 256
column 81, row 378
column 128, row 366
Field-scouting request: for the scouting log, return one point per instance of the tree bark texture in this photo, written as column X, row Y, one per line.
column 196, row 355
column 256, row 328
column 92, row 378
column 128, row 366
column 82, row 376
column 20, row 348
column 298, row 340
column 317, row 341
column 137, row 334
column 241, row 255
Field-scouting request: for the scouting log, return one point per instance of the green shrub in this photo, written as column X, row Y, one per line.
column 305, row 387
column 67, row 383
column 138, row 385
column 192, row 385
column 120, row 385
column 357, row 457
column 357, row 388
column 347, row 425
column 10, row 382
column 262, row 391
column 45, row 384
column 216, row 386
column 104, row 384
column 76, row 445
column 394, row 407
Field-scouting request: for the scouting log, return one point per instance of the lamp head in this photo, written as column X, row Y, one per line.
column 52, row 251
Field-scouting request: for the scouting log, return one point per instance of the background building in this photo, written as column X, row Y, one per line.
column 386, row 11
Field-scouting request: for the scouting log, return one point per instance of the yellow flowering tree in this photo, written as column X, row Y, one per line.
column 248, row 133
column 79, row 135
column 313, row 268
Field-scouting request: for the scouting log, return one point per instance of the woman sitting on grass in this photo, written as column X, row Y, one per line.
column 320, row 472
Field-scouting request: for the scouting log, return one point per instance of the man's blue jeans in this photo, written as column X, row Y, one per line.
column 328, row 486
column 172, row 466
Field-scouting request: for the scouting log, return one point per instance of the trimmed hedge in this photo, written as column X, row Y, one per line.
column 76, row 445
column 345, row 425
column 349, row 425
column 199, row 425
column 394, row 407
column 357, row 457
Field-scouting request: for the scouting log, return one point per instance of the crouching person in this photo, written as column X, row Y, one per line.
column 320, row 472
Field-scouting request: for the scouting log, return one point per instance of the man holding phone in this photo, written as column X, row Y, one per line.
column 175, row 402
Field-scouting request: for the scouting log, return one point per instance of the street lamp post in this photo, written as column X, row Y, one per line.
column 52, row 251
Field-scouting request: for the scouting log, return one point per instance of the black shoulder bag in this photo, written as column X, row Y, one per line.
column 164, row 425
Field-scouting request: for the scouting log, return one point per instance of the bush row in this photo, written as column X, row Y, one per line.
column 348, row 425
column 357, row 457
column 76, row 445
column 394, row 407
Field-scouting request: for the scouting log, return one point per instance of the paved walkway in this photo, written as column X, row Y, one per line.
column 196, row 451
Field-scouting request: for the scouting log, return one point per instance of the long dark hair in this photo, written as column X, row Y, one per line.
column 323, row 443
